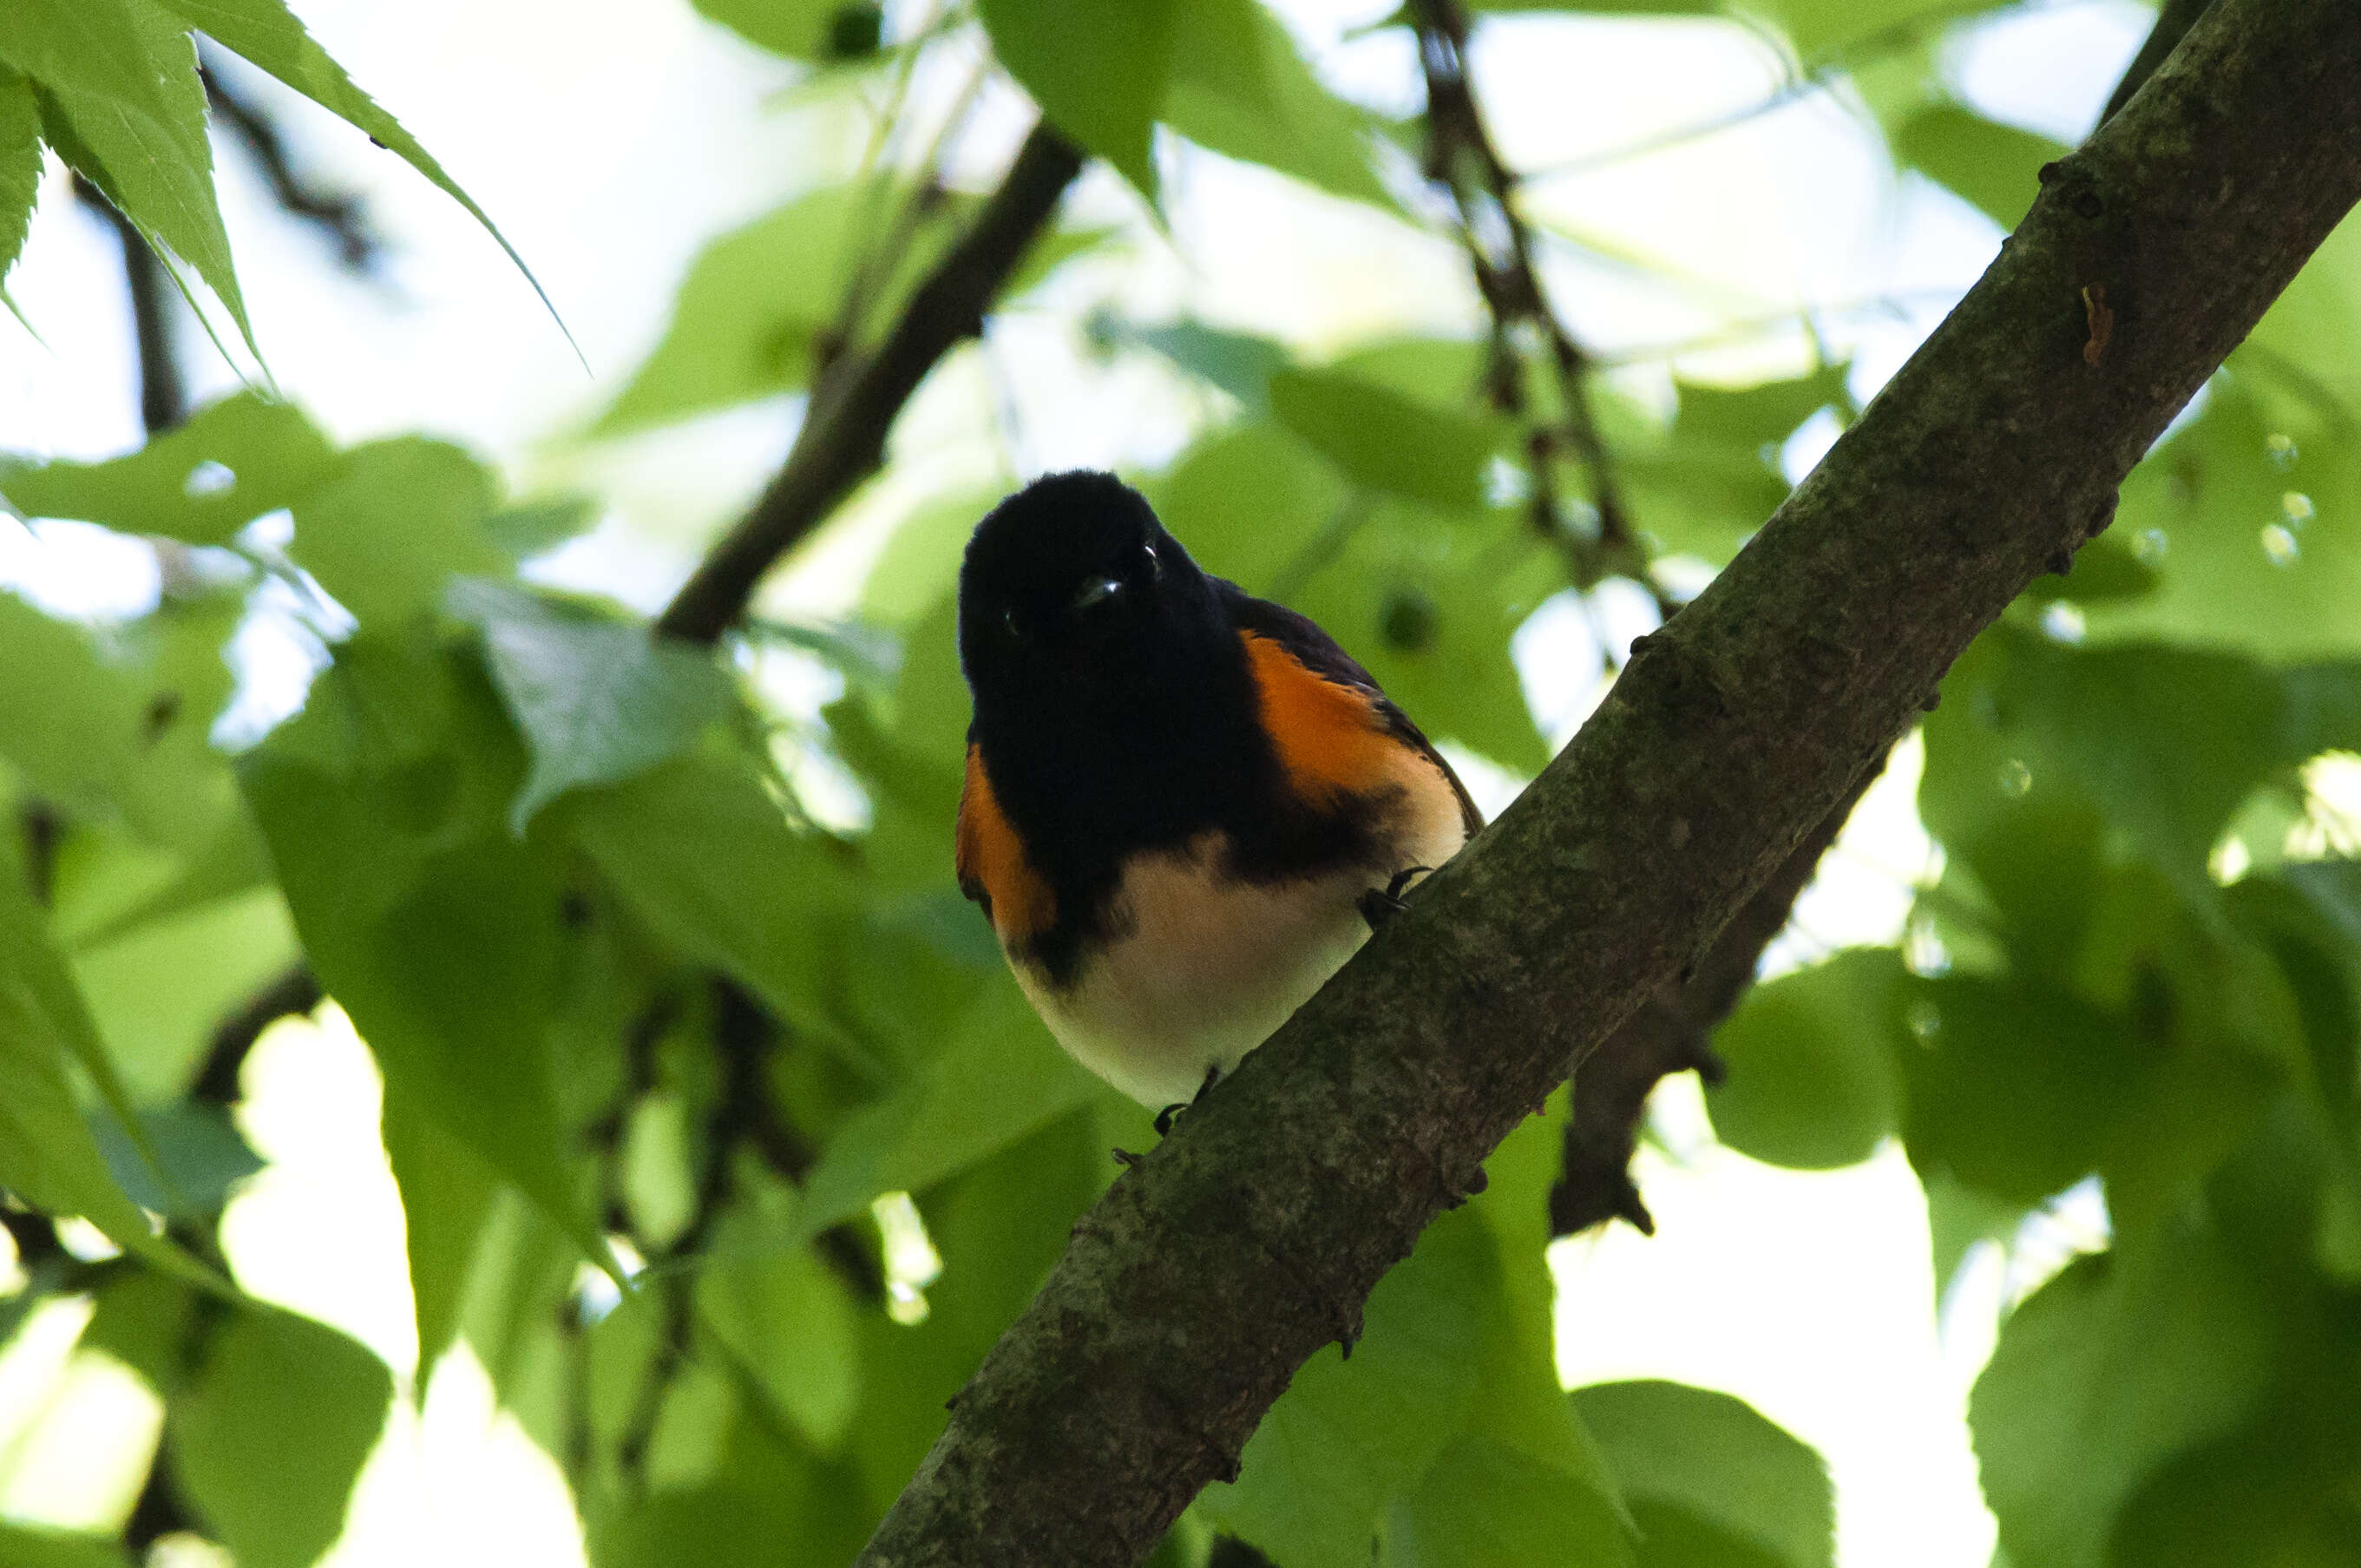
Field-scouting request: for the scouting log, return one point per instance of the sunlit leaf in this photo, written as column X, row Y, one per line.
column 1994, row 166
column 817, row 30
column 272, row 1434
column 398, row 520
column 1384, row 441
column 1239, row 88
column 20, row 163
column 130, row 115
column 267, row 34
column 1812, row 1082
column 1709, row 1480
column 598, row 700
column 1099, row 72
column 199, row 482
column 2109, row 1371
column 1482, row 1505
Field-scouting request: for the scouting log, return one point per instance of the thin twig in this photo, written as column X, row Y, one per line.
column 339, row 214
column 1463, row 158
column 163, row 394
column 842, row 441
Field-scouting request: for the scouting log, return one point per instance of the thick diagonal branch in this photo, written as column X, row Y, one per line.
column 1219, row 1263
column 842, row 441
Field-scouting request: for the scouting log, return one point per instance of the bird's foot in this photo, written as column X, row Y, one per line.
column 1380, row 905
column 1164, row 1117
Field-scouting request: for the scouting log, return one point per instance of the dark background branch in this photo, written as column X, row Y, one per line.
column 1217, row 1266
column 340, row 216
column 842, row 441
column 2173, row 19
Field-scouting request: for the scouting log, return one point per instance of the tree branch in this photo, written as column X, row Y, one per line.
column 1672, row 1032
column 163, row 394
column 1219, row 1262
column 1463, row 158
column 342, row 217
column 842, row 441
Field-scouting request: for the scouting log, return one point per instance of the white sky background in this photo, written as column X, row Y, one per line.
column 610, row 139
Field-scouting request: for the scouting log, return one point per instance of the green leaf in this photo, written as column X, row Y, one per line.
column 400, row 519
column 1320, row 1475
column 71, row 723
column 2105, row 571
column 2013, row 1089
column 269, row 1438
column 447, row 1193
column 998, row 1227
column 48, row 1004
column 199, row 482
column 1099, row 72
column 1699, row 1467
column 269, row 34
column 1386, row 441
column 123, row 76
column 20, row 164
column 746, row 317
column 2203, row 509
column 384, row 803
column 1483, row 1505
column 598, row 700
column 998, row 1078
column 706, row 858
column 36, row 1546
column 1239, row 87
column 159, row 990
column 1240, row 364
column 784, row 1316
column 1996, row 166
column 1812, row 1083
column 200, row 1153
column 2106, row 1373
column 800, row 30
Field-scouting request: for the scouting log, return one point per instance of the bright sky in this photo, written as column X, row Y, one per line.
column 610, row 138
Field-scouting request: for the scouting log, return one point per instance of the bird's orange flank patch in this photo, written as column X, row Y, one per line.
column 993, row 865
column 1329, row 737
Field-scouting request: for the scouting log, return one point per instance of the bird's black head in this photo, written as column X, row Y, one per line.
column 1073, row 594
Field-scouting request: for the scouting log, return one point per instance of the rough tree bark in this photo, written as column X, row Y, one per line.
column 1218, row 1266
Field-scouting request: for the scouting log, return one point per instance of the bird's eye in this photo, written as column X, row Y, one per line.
column 1154, row 562
column 1098, row 590
column 1009, row 624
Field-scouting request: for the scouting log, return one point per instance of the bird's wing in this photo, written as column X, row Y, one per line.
column 1309, row 650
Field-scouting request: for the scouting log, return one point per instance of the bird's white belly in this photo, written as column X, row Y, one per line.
column 1204, row 968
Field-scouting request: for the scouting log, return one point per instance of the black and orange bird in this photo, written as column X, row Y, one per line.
column 1184, row 803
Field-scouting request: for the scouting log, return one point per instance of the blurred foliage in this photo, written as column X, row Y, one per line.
column 627, row 986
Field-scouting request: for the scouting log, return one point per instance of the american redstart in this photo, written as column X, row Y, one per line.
column 1184, row 804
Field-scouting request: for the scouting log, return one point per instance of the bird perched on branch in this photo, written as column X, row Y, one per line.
column 1184, row 804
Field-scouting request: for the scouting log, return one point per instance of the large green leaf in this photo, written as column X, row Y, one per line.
column 1099, row 72
column 1483, row 1505
column 1382, row 439
column 267, row 34
column 272, row 1432
column 448, row 1192
column 1812, row 1083
column 787, row 1318
column 997, row 1078
column 598, row 700
column 1347, row 1438
column 2250, row 513
column 199, row 482
column 36, row 1546
column 817, row 30
column 398, row 520
column 1709, row 1480
column 159, row 990
column 2106, row 1373
column 707, row 859
column 130, row 114
column 1994, row 166
column 1239, row 87
column 20, row 163
column 385, row 804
